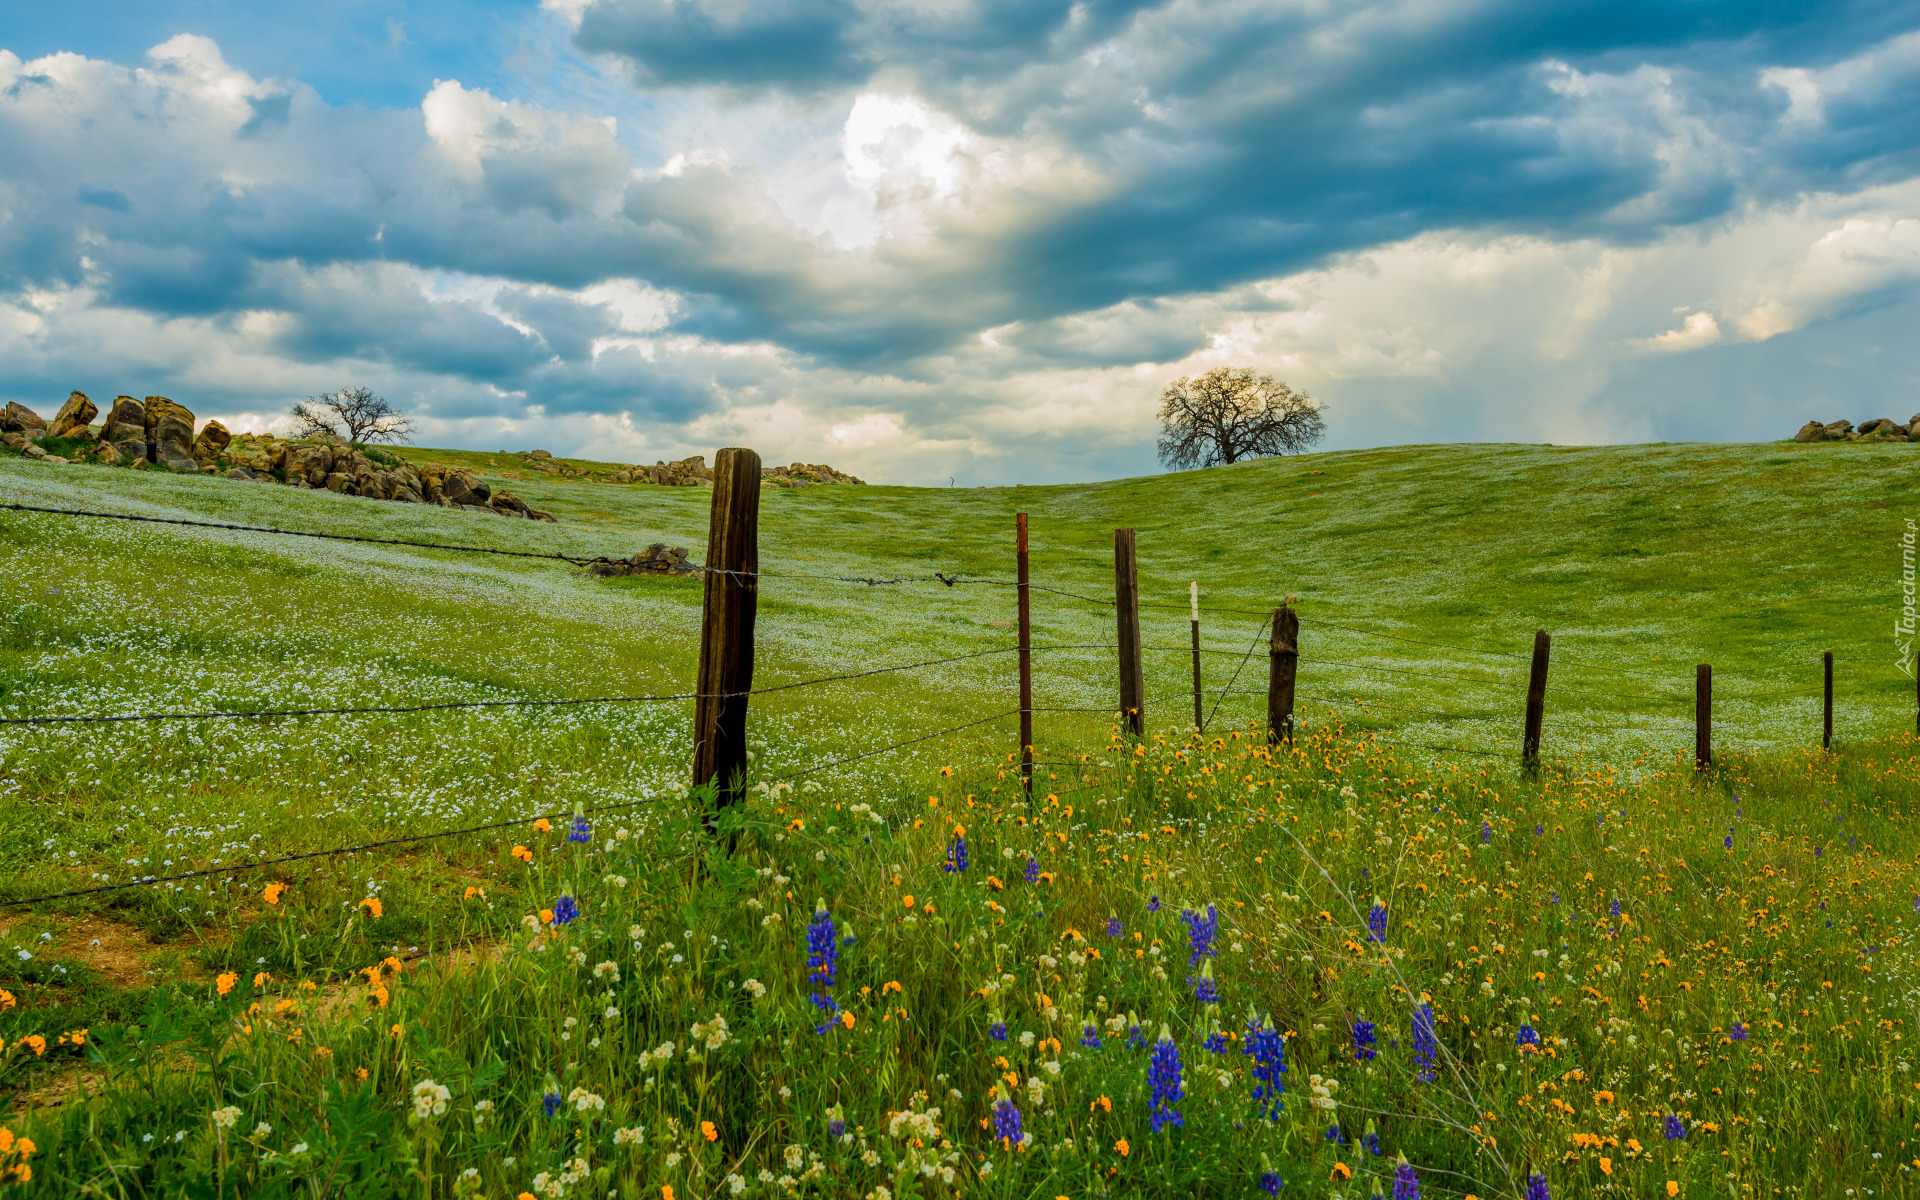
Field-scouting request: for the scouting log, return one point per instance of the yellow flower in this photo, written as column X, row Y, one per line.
column 1673, row 1189
column 1123, row 1148
column 543, row 825
column 223, row 983
column 372, row 905
column 523, row 854
column 273, row 892
column 261, row 979
column 1341, row 1171
column 1606, row 1166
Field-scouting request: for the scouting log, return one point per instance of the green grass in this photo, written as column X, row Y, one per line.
column 1641, row 560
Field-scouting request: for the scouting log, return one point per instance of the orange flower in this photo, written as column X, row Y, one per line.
column 33, row 1042
column 472, row 892
column 397, row 1030
column 372, row 905
column 546, row 916
column 892, row 985
column 666, row 1191
column 1341, row 1171
column 223, row 983
column 1673, row 1189
column 709, row 1132
column 907, row 901
column 846, row 1018
column 360, row 1073
column 543, row 825
column 1105, row 1104
column 1123, row 1148
column 6, row 1000
column 273, row 892
column 1606, row 1166
column 523, row 854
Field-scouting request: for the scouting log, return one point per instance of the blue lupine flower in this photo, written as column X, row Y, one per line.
column 1406, row 1186
column 1425, row 1046
column 1153, row 903
column 1200, row 933
column 1203, row 987
column 1377, row 922
column 1006, row 1118
column 1090, row 1036
column 1526, row 1036
column 998, row 1030
column 565, row 910
column 1672, row 1128
column 1268, row 1051
column 1538, row 830
column 836, row 1123
column 1537, row 1187
column 1163, row 1073
column 1216, row 1042
column 1270, row 1181
column 551, row 1102
column 1032, row 871
column 1486, row 831
column 1113, row 926
column 1738, row 1033
column 1135, row 1039
column 1364, row 1041
column 1370, row 1141
column 1728, row 843
column 1333, row 1133
column 1555, row 897
column 956, row 853
column 1614, row 907
column 823, row 963
column 581, row 831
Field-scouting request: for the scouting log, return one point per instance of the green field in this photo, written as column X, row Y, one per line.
column 1422, row 573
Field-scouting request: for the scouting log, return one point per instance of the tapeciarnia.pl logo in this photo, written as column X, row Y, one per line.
column 1903, row 629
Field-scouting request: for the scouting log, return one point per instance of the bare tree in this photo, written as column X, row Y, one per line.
column 1230, row 413
column 364, row 416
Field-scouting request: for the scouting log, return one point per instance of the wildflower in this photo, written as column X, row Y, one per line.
column 543, row 825
column 956, row 851
column 1728, row 843
column 581, row 832
column 1203, row 986
column 1006, row 1118
column 998, row 1029
column 523, row 854
column 708, row 1132
column 607, row 969
column 550, row 1101
column 1539, row 829
column 430, row 1099
column 565, row 910
column 1216, row 1042
column 1333, row 1133
column 372, row 905
column 1153, row 903
column 1269, row 1178
column 1424, row 1044
column 1537, row 1187
column 1526, row 1036
column 1613, row 909
column 1364, row 1041
column 223, row 982
column 836, row 1122
column 1486, row 832
column 1200, row 933
column 1738, row 1033
column 1136, row 1040
column 585, row 1101
column 823, row 962
column 1031, row 872
column 273, row 890
column 223, row 1118
column 1113, row 926
column 1406, row 1186
column 1122, row 1147
column 1163, row 1073
column 1377, row 922
column 1672, row 1128
column 1090, row 1036
column 1269, row 1054
column 754, row 988
column 1370, row 1140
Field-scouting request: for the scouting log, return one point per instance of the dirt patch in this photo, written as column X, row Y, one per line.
column 120, row 953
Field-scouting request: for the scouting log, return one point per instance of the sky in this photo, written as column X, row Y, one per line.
column 967, row 242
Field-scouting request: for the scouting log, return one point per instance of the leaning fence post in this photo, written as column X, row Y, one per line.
column 1702, row 717
column 1536, row 702
column 1193, row 603
column 1826, row 728
column 1126, row 600
column 726, row 626
column 1026, row 656
column 1283, row 661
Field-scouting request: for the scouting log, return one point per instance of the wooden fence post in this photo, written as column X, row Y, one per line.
column 1536, row 702
column 1126, row 600
column 1193, row 603
column 726, row 626
column 1702, row 717
column 1826, row 729
column 1283, row 662
column 1026, row 656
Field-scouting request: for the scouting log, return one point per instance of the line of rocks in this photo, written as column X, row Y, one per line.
column 687, row 472
column 159, row 434
column 1880, row 429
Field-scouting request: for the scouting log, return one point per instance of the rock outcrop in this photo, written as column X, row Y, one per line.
column 159, row 432
column 687, row 472
column 1879, row 429
column 657, row 559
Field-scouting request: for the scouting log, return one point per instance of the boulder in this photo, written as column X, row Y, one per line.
column 1812, row 431
column 465, row 489
column 508, row 504
column 20, row 419
column 132, row 449
column 74, row 417
column 240, row 473
column 657, row 559
column 184, row 465
column 213, row 440
column 169, row 430
column 538, row 454
column 308, row 464
column 1873, row 426
column 534, row 514
column 475, row 508
column 126, row 422
column 408, row 496
column 108, row 455
column 33, row 451
column 1838, row 429
column 336, row 481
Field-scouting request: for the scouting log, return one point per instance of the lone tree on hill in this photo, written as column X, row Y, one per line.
column 365, row 417
column 1229, row 414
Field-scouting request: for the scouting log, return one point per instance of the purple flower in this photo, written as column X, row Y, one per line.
column 1113, row 927
column 998, row 1030
column 1613, row 908
column 1370, row 1141
column 836, row 1123
column 1405, row 1185
column 956, row 854
column 1203, row 987
column 1090, row 1036
column 1738, row 1033
column 551, row 1102
column 1333, row 1133
column 1486, row 831
column 1200, row 933
column 1216, row 1042
column 1269, row 1054
column 1135, row 1039
column 1377, row 922
column 1537, row 1187
column 581, row 831
column 1031, row 873
column 1728, row 843
column 1425, row 1046
column 565, row 910
column 1006, row 1120
column 1270, row 1183
column 1526, row 1036
column 1538, row 830
column 1163, row 1074
column 1364, row 1041
column 1153, row 903
column 823, row 963
column 1672, row 1128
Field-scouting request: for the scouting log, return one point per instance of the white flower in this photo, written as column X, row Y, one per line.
column 1026, row 1039
column 429, row 1099
column 755, row 988
column 633, row 1136
column 714, row 1031
column 612, row 1013
column 793, row 1156
column 262, row 1129
column 225, row 1117
column 585, row 1101
column 635, row 933
column 605, row 969
column 615, row 881
column 482, row 1110
column 298, row 1148
column 673, row 1160
column 736, row 1184
column 470, row 1175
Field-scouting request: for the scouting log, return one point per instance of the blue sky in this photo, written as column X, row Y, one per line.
column 971, row 239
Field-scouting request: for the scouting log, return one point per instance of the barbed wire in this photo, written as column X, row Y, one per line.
column 925, row 737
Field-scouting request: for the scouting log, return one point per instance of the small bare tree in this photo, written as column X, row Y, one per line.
column 1230, row 413
column 364, row 416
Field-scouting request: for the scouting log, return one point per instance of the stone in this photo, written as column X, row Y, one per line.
column 657, row 559
column 132, row 450
column 55, row 458
column 475, row 508
column 534, row 514
column 408, row 495
column 336, row 481
column 507, row 502
column 538, row 454
column 109, row 457
column 76, row 414
column 240, row 473
column 309, row 464
column 20, row 419
column 169, row 430
column 213, row 440
column 1812, row 431
column 466, row 489
column 1873, row 426
column 1838, row 429
column 126, row 422
column 183, row 464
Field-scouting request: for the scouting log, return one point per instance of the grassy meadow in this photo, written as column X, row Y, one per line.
column 278, row 1039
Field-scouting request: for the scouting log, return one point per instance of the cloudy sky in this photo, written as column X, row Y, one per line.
column 967, row 239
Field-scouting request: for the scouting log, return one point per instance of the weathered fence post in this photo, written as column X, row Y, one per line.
column 1193, row 603
column 1126, row 601
column 1026, row 656
column 1536, row 702
column 1283, row 661
column 726, row 626
column 1826, row 728
column 1702, row 717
